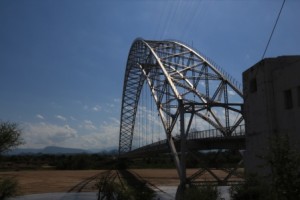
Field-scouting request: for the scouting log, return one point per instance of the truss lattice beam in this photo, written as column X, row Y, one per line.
column 181, row 82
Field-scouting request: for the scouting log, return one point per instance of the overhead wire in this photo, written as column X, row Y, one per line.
column 152, row 117
column 191, row 16
column 274, row 27
column 161, row 20
column 139, row 124
column 144, row 118
column 146, row 115
column 166, row 18
column 171, row 17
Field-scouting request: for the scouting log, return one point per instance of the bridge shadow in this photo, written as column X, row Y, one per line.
column 138, row 187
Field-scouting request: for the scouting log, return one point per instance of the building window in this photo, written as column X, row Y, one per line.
column 288, row 99
column 253, row 85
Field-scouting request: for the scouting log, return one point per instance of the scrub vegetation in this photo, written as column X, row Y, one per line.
column 207, row 192
column 283, row 182
column 10, row 137
column 111, row 187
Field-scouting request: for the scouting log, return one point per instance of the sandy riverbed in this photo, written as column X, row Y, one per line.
column 35, row 182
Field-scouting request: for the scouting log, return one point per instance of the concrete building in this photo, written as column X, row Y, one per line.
column 271, row 105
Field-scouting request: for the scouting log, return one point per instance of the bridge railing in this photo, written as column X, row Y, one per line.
column 160, row 142
column 216, row 133
column 205, row 134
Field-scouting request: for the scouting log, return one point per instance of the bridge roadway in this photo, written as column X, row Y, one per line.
column 198, row 140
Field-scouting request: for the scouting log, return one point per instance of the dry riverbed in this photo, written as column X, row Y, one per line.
column 50, row 181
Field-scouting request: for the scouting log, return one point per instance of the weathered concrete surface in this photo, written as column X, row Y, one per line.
column 271, row 105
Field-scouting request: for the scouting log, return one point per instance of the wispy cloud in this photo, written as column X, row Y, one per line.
column 231, row 92
column 45, row 134
column 116, row 100
column 61, row 117
column 96, row 108
column 39, row 116
column 73, row 118
column 111, row 105
column 89, row 125
column 87, row 136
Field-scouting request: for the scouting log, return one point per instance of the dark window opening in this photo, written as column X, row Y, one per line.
column 288, row 99
column 253, row 85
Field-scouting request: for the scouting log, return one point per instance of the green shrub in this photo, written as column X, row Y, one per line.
column 252, row 189
column 207, row 192
column 283, row 163
column 8, row 188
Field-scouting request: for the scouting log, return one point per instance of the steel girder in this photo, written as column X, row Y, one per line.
column 177, row 75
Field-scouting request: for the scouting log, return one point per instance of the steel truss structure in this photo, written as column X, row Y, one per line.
column 184, row 85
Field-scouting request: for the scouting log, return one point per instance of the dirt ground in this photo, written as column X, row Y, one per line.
column 169, row 177
column 34, row 182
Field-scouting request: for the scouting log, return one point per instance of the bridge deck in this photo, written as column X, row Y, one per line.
column 199, row 140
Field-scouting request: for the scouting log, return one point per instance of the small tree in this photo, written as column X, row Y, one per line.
column 8, row 188
column 10, row 137
column 285, row 169
column 284, row 178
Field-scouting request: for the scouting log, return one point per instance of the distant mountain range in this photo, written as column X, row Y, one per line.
column 58, row 150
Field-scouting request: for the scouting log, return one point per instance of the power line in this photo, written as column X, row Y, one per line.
column 273, row 29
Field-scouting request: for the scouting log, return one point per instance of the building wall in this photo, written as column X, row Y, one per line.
column 271, row 105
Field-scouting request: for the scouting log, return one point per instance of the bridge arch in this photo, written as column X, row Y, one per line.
column 181, row 81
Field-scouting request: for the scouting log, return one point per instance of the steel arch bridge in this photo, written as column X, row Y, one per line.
column 184, row 84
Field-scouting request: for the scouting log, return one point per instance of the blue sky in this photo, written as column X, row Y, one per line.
column 62, row 62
